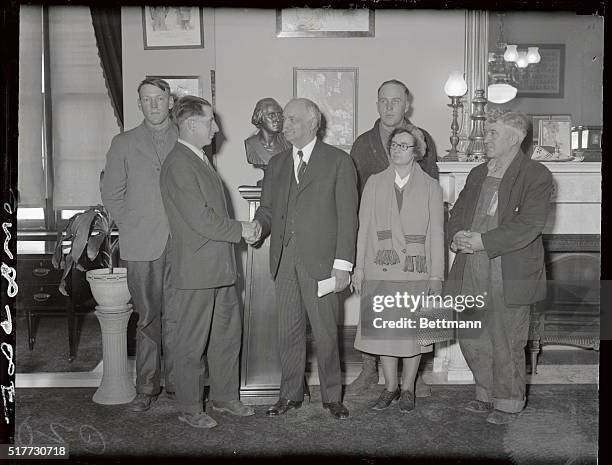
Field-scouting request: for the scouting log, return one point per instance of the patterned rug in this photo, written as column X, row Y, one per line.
column 559, row 427
column 564, row 434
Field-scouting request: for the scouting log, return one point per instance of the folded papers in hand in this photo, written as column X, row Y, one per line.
column 326, row 286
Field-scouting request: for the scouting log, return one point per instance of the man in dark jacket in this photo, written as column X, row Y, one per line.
column 496, row 230
column 203, row 269
column 309, row 209
column 371, row 156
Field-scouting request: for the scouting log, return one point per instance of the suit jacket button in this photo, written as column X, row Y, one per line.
column 403, row 250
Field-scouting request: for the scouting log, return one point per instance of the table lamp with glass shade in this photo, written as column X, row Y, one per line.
column 455, row 88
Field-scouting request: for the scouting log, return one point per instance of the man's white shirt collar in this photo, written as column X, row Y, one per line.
column 194, row 149
column 307, row 152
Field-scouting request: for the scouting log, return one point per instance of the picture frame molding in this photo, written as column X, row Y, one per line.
column 167, row 47
column 594, row 136
column 537, row 117
column 169, row 78
column 558, row 93
column 355, row 70
column 359, row 33
column 567, row 133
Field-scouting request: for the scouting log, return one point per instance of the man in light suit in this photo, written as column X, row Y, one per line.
column 203, row 269
column 309, row 207
column 496, row 230
column 130, row 191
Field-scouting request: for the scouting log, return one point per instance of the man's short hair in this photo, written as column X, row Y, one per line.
column 313, row 109
column 188, row 106
column 157, row 82
column 419, row 140
column 257, row 118
column 396, row 82
column 516, row 120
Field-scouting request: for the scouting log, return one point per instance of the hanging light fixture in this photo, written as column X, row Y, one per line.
column 508, row 67
column 501, row 92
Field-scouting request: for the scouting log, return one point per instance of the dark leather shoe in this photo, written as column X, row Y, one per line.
column 406, row 402
column 142, row 402
column 478, row 406
column 385, row 399
column 337, row 409
column 282, row 406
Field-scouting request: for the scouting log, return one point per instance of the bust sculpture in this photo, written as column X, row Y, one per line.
column 268, row 140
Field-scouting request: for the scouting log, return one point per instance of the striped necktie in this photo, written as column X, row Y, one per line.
column 301, row 166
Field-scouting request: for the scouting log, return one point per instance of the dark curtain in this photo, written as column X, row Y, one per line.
column 107, row 27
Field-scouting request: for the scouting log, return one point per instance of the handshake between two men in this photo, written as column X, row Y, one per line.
column 251, row 233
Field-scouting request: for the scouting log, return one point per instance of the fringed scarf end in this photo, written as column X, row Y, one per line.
column 415, row 263
column 387, row 257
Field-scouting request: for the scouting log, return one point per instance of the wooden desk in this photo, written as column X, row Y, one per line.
column 38, row 293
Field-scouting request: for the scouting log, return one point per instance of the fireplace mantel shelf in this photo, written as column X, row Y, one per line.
column 554, row 167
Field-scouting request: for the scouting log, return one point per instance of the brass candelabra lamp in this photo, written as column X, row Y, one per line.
column 455, row 88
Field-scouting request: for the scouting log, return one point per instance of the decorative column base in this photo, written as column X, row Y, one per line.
column 450, row 365
column 116, row 387
column 457, row 367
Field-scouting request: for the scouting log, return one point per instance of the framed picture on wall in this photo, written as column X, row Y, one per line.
column 546, row 78
column 182, row 85
column 334, row 90
column 324, row 22
column 172, row 27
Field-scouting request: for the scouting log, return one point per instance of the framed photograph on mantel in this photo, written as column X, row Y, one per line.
column 334, row 90
column 536, row 123
column 324, row 22
column 172, row 27
column 555, row 137
column 182, row 85
column 546, row 78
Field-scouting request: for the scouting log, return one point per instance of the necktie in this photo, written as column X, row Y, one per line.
column 301, row 166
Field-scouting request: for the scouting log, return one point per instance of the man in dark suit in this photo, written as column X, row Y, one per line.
column 203, row 269
column 496, row 230
column 130, row 191
column 309, row 207
column 371, row 155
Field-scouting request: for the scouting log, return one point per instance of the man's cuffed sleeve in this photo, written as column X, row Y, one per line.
column 343, row 265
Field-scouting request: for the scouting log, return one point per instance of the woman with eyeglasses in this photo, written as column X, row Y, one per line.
column 400, row 253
